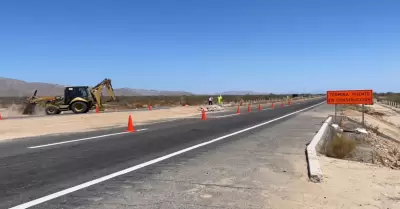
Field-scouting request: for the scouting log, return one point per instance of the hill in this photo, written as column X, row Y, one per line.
column 17, row 88
column 241, row 93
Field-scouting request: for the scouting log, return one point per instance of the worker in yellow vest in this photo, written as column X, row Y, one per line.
column 220, row 100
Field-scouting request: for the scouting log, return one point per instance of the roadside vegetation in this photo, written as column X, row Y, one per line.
column 390, row 96
column 340, row 147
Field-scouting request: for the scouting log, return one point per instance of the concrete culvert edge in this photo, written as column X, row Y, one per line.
column 314, row 168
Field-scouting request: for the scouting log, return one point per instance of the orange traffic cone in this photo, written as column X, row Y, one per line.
column 97, row 109
column 150, row 107
column 203, row 115
column 131, row 128
column 238, row 110
column 259, row 107
column 273, row 105
column 248, row 108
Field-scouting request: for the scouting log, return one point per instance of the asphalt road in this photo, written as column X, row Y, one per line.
column 30, row 173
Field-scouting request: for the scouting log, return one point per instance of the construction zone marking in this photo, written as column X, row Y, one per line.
column 83, row 139
column 156, row 160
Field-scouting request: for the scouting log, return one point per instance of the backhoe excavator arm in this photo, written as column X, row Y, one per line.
column 98, row 89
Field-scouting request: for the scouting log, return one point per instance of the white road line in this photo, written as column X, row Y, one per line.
column 223, row 116
column 83, row 139
column 136, row 167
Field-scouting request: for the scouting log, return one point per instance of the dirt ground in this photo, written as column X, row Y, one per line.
column 389, row 114
column 382, row 145
column 346, row 185
column 384, row 122
column 360, row 185
column 36, row 126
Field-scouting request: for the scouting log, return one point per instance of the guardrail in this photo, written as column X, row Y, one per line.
column 390, row 103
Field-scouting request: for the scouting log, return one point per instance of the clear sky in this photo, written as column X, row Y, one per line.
column 204, row 46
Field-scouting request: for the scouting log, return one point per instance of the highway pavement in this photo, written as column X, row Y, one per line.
column 38, row 172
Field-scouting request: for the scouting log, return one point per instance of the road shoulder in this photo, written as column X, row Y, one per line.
column 263, row 169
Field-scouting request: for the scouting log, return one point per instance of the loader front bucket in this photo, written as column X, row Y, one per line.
column 29, row 109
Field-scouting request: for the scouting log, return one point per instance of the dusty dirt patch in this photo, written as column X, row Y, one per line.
column 36, row 126
column 360, row 185
column 376, row 123
column 387, row 114
column 346, row 185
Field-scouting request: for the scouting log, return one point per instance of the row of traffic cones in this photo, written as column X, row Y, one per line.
column 131, row 127
column 204, row 115
column 259, row 107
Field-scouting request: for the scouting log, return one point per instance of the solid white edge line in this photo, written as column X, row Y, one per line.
column 223, row 116
column 83, row 139
column 136, row 167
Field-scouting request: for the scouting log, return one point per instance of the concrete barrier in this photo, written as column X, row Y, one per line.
column 314, row 168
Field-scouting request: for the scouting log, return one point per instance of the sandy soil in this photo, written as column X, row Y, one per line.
column 26, row 127
column 360, row 185
column 346, row 185
column 375, row 121
column 11, row 111
column 389, row 114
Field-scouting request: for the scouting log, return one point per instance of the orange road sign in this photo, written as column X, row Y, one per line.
column 350, row 97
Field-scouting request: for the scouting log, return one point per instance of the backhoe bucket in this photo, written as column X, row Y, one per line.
column 29, row 109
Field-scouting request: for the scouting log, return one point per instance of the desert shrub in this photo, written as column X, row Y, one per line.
column 340, row 147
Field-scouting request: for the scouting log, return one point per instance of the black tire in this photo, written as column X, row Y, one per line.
column 88, row 109
column 52, row 110
column 79, row 107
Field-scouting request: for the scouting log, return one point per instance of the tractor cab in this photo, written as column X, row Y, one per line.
column 70, row 93
column 76, row 98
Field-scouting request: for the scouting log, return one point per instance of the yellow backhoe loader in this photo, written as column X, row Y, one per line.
column 79, row 99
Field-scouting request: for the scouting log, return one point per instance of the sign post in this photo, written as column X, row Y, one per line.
column 335, row 113
column 363, row 123
column 350, row 97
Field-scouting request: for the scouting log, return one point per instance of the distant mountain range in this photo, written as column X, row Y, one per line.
column 17, row 88
column 241, row 93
